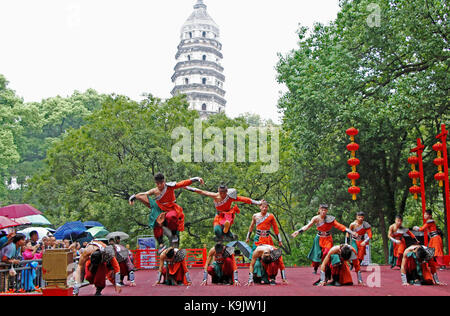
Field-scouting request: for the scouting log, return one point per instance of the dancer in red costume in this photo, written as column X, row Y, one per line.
column 434, row 239
column 362, row 228
column 225, row 213
column 334, row 266
column 419, row 266
column 96, row 264
column 266, row 262
column 323, row 242
column 221, row 266
column 263, row 222
column 398, row 243
column 173, row 268
column 166, row 217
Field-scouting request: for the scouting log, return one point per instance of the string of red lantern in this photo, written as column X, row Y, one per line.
column 439, row 162
column 353, row 162
column 414, row 175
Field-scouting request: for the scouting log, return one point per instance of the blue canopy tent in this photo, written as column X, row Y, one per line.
column 70, row 230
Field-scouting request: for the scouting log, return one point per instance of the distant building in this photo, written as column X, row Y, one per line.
column 198, row 72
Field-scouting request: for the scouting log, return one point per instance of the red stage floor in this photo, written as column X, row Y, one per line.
column 300, row 284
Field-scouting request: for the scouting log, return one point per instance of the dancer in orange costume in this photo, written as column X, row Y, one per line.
column 173, row 268
column 435, row 240
column 263, row 222
column 97, row 262
column 334, row 267
column 398, row 243
column 221, row 266
column 225, row 213
column 362, row 228
column 419, row 266
column 166, row 217
column 323, row 242
column 266, row 262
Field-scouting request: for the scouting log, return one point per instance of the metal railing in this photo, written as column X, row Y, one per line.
column 27, row 278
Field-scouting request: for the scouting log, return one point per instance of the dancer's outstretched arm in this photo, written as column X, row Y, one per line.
column 305, row 228
column 201, row 192
column 142, row 197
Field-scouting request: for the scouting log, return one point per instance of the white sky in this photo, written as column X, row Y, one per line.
column 53, row 47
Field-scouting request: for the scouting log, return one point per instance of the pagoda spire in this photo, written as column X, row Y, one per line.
column 199, row 5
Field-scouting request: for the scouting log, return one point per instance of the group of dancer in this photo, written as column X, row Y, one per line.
column 418, row 263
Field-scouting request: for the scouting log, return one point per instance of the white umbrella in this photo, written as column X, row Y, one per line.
column 122, row 235
column 42, row 232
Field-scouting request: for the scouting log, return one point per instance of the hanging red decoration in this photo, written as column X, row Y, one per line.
column 354, row 191
column 353, row 162
column 439, row 162
column 415, row 190
column 414, row 175
column 353, row 175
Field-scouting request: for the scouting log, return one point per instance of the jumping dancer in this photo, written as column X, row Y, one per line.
column 166, row 217
column 225, row 213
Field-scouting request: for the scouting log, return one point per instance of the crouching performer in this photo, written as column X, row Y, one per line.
column 173, row 268
column 96, row 264
column 223, row 268
column 335, row 268
column 419, row 266
column 123, row 257
column 266, row 261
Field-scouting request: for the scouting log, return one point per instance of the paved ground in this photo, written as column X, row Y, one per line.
column 384, row 281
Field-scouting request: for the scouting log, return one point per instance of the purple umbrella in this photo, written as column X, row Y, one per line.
column 18, row 210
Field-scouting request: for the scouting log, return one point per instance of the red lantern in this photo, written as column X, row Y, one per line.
column 354, row 191
column 353, row 176
column 353, row 147
column 415, row 190
column 439, row 161
column 414, row 174
column 413, row 160
column 438, row 147
column 352, row 132
column 440, row 177
column 353, row 162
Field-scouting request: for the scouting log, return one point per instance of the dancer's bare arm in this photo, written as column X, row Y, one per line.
column 204, row 193
column 143, row 197
column 305, row 228
column 250, row 229
column 211, row 255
